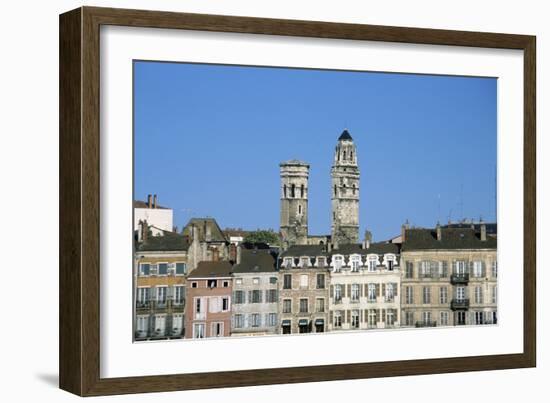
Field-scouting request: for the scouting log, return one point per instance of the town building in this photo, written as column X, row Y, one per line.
column 208, row 242
column 255, row 293
column 303, row 289
column 365, row 284
column 345, row 192
column 159, row 292
column 294, row 203
column 449, row 275
column 159, row 218
column 208, row 308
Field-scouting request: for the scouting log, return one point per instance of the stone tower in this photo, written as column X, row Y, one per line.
column 294, row 197
column 345, row 192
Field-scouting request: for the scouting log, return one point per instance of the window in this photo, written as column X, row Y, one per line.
column 255, row 280
column 409, row 295
column 478, row 317
column 142, row 324
column 212, row 283
column 178, row 294
column 460, row 267
column 494, row 295
column 460, row 293
column 272, row 280
column 409, row 318
column 390, row 262
column 320, row 305
column 355, row 292
column 284, row 191
column 177, row 323
column 299, row 209
column 287, row 281
column 271, row 296
column 320, row 281
column 373, row 261
column 194, row 284
column 287, row 262
column 478, row 269
column 443, row 297
column 371, row 292
column 372, row 317
column 238, row 321
column 355, row 263
column 354, row 189
column 163, row 269
column 389, row 292
column 181, row 268
column 287, row 306
column 198, row 305
column 293, row 190
column 426, row 317
column 160, row 324
column 494, row 268
column 302, row 191
column 355, row 319
column 478, row 295
column 143, row 295
column 255, row 296
column 304, row 262
column 217, row 329
column 337, row 319
column 425, row 269
column 337, row 293
column 225, row 304
column 426, row 297
column 444, row 318
column 144, row 269
column 303, row 280
column 338, row 261
column 321, row 261
column 391, row 317
column 460, row 318
column 303, row 305
column 238, row 281
column 161, row 295
column 239, row 297
column 226, row 284
column 255, row 320
column 409, row 267
column 272, row 319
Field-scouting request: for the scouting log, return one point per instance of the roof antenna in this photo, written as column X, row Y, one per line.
column 461, row 204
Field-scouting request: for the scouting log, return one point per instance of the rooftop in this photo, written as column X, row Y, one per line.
column 211, row 269
column 255, row 261
column 170, row 241
column 345, row 136
column 451, row 238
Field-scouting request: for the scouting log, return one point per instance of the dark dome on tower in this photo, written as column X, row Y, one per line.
column 345, row 136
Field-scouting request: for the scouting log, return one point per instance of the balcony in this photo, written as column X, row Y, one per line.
column 426, row 323
column 169, row 305
column 460, row 304
column 460, row 278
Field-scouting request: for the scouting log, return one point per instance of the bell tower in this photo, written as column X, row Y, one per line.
column 294, row 202
column 345, row 192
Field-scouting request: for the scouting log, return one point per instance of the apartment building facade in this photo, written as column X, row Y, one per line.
column 449, row 276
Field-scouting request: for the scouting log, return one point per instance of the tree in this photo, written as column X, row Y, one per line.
column 269, row 237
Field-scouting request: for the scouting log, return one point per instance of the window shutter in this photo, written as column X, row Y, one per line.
column 471, row 265
column 261, row 296
column 348, row 316
column 366, row 315
column 331, row 317
column 332, row 291
column 361, row 316
column 444, row 268
column 383, row 316
column 249, row 296
column 377, row 288
column 384, row 289
column 483, row 268
column 349, row 290
column 362, row 290
column 395, row 289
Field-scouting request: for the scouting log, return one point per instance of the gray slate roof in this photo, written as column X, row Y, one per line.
column 305, row 250
column 211, row 269
column 170, row 241
column 374, row 247
column 255, row 261
column 345, row 136
column 451, row 238
column 216, row 233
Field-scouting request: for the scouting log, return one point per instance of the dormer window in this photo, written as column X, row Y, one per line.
column 390, row 262
column 304, row 262
column 321, row 262
column 338, row 263
column 373, row 262
column 287, row 262
column 355, row 263
column 212, row 283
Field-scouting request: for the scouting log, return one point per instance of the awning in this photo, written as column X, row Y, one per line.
column 319, row 322
column 286, row 322
column 303, row 322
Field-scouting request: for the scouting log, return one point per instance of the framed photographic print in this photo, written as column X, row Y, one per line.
column 248, row 201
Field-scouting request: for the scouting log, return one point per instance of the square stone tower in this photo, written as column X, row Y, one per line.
column 294, row 201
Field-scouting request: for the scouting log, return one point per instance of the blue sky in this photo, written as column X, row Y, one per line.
column 209, row 139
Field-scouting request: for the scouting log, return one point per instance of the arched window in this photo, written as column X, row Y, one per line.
column 354, row 189
column 302, row 193
column 299, row 209
column 293, row 190
column 335, row 190
column 351, row 155
column 344, row 155
column 284, row 191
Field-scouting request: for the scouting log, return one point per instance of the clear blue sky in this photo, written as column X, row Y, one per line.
column 209, row 139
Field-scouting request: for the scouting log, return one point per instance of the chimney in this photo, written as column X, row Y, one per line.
column 149, row 201
column 438, row 231
column 329, row 247
column 483, row 231
column 144, row 230
column 208, row 235
column 239, row 248
column 404, row 227
column 155, row 201
column 367, row 240
column 194, row 233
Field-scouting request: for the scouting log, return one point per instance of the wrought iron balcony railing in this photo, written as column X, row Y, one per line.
column 460, row 278
column 460, row 304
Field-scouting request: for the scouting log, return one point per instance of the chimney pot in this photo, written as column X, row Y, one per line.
column 155, row 201
column 483, row 231
column 149, row 201
column 438, row 231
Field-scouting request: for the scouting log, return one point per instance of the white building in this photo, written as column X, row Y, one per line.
column 159, row 218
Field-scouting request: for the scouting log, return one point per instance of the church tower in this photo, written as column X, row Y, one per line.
column 294, row 197
column 345, row 192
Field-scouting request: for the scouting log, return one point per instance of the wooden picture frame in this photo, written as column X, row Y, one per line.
column 79, row 280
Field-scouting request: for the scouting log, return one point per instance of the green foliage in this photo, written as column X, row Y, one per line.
column 262, row 236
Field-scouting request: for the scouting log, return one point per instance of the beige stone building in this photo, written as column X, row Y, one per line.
column 303, row 289
column 364, row 287
column 449, row 275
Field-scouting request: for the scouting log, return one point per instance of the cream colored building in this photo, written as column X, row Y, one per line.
column 449, row 275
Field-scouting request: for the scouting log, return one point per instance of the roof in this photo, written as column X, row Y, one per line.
column 451, row 238
column 345, row 136
column 170, row 241
column 216, row 234
column 374, row 247
column 491, row 228
column 305, row 250
column 255, row 261
column 142, row 204
column 294, row 162
column 211, row 269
